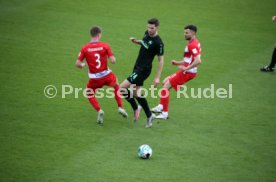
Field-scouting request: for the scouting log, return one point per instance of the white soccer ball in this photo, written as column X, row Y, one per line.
column 145, row 151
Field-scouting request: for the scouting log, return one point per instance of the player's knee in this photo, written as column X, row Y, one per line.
column 165, row 80
column 167, row 85
column 90, row 93
column 124, row 91
column 136, row 94
column 140, row 95
column 116, row 87
column 128, row 95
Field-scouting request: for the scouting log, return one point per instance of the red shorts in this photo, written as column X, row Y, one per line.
column 108, row 80
column 179, row 78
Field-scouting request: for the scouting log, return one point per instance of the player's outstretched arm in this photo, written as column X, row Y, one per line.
column 79, row 64
column 196, row 62
column 134, row 40
column 174, row 62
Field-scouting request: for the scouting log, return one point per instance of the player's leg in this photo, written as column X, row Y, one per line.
column 165, row 96
column 113, row 82
column 144, row 104
column 164, row 101
column 128, row 94
column 159, row 107
column 273, row 59
column 92, row 99
column 174, row 81
column 165, row 80
column 100, row 117
column 91, row 91
column 271, row 66
column 142, row 100
column 118, row 98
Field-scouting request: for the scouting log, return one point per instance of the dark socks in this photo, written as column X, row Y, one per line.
column 143, row 102
column 273, row 59
column 129, row 97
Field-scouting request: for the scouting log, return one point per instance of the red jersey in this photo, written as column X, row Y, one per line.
column 191, row 51
column 96, row 55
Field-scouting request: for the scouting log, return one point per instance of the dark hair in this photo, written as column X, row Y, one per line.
column 154, row 21
column 191, row 27
column 95, row 31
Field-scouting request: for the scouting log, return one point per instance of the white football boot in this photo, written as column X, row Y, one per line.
column 157, row 109
column 100, row 117
column 150, row 120
column 122, row 112
column 163, row 115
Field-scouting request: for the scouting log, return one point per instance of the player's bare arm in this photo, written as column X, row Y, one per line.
column 79, row 64
column 196, row 62
column 273, row 18
column 159, row 71
column 174, row 62
column 134, row 40
column 112, row 59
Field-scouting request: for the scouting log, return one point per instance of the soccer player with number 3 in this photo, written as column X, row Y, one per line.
column 97, row 55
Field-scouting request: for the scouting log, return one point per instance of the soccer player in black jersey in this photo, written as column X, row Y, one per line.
column 151, row 45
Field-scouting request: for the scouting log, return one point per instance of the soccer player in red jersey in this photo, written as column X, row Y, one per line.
column 187, row 71
column 97, row 55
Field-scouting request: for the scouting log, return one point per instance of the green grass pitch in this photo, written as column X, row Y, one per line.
column 204, row 140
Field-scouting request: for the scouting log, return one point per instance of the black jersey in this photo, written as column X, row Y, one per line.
column 150, row 46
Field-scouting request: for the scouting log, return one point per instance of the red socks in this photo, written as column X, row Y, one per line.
column 93, row 101
column 118, row 96
column 95, row 104
column 165, row 99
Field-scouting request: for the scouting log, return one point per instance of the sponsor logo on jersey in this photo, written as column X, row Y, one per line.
column 95, row 49
column 194, row 51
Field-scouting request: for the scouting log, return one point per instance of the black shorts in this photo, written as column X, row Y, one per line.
column 138, row 77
